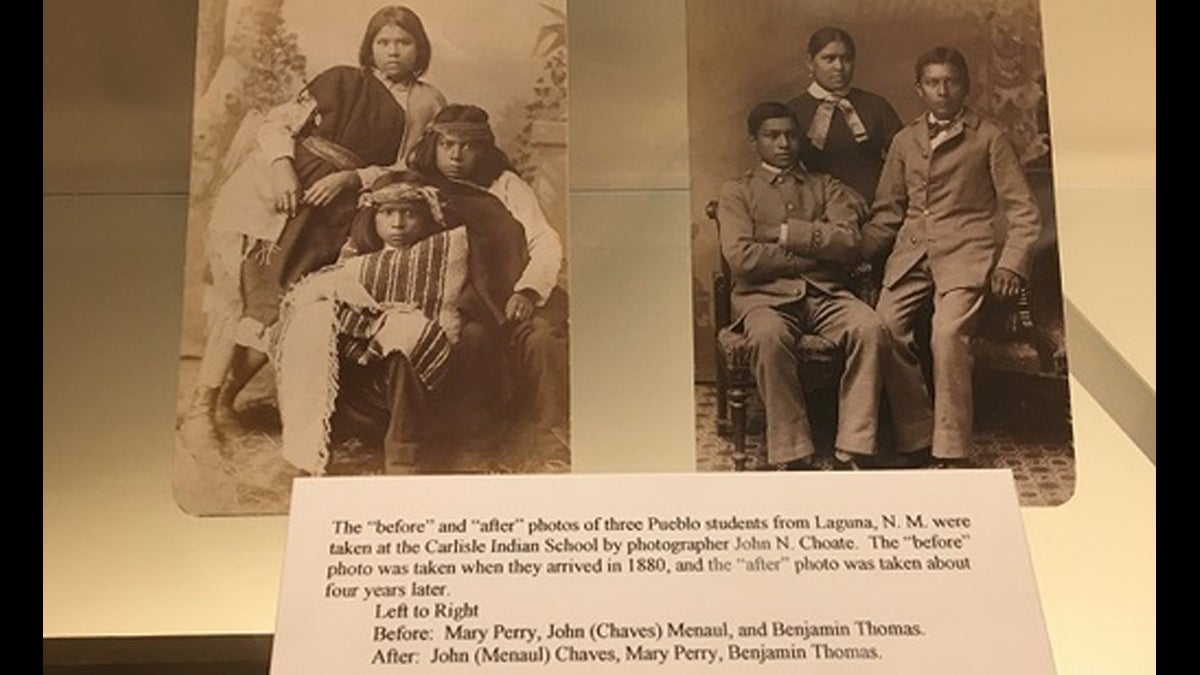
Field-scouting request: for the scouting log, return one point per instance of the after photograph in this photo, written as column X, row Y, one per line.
column 875, row 267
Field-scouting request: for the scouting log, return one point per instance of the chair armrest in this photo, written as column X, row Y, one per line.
column 722, row 307
column 722, row 284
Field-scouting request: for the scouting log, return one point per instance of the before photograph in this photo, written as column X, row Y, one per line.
column 376, row 267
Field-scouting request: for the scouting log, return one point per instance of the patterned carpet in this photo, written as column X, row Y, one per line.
column 1032, row 437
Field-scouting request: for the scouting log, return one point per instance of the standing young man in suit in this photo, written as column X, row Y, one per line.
column 789, row 237
column 947, row 176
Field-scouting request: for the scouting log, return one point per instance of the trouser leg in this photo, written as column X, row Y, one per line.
column 846, row 321
column 955, row 316
column 201, row 413
column 246, row 362
column 467, row 402
column 222, row 306
column 904, row 383
column 216, row 359
column 406, row 402
column 540, row 345
column 772, row 334
column 261, row 294
column 383, row 403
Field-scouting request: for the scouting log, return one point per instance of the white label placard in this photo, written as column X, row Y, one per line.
column 881, row 572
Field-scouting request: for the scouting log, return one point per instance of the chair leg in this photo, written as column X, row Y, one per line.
column 737, row 410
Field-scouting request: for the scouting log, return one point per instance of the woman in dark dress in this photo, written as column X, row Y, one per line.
column 845, row 131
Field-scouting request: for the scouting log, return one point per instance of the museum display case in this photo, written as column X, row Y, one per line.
column 131, row 583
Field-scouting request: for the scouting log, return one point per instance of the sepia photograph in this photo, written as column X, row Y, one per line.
column 375, row 279
column 876, row 278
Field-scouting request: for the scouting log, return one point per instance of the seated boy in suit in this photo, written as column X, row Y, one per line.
column 790, row 236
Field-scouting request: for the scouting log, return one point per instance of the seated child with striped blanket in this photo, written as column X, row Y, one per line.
column 365, row 341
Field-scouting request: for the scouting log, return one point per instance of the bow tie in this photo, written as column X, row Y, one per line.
column 939, row 126
column 818, row 129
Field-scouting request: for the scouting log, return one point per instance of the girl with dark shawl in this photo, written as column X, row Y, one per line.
column 289, row 211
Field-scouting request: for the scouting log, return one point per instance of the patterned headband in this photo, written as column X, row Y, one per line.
column 465, row 131
column 397, row 193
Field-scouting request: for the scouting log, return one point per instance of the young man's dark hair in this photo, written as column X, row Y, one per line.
column 766, row 111
column 492, row 161
column 947, row 55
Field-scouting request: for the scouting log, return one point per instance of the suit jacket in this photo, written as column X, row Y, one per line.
column 772, row 264
column 944, row 202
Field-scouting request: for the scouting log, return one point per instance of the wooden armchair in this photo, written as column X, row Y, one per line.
column 820, row 361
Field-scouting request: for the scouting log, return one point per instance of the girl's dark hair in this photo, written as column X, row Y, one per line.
column 828, row 35
column 405, row 18
column 947, row 55
column 492, row 161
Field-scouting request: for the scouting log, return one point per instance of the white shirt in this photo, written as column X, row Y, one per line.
column 822, row 94
column 544, row 244
column 946, row 129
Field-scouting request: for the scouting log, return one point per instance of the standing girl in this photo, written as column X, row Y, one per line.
column 287, row 210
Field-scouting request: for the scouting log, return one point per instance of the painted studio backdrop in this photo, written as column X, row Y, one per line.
column 742, row 53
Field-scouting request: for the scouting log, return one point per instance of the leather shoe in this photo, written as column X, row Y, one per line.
column 853, row 463
column 801, row 464
column 919, row 459
column 952, row 463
